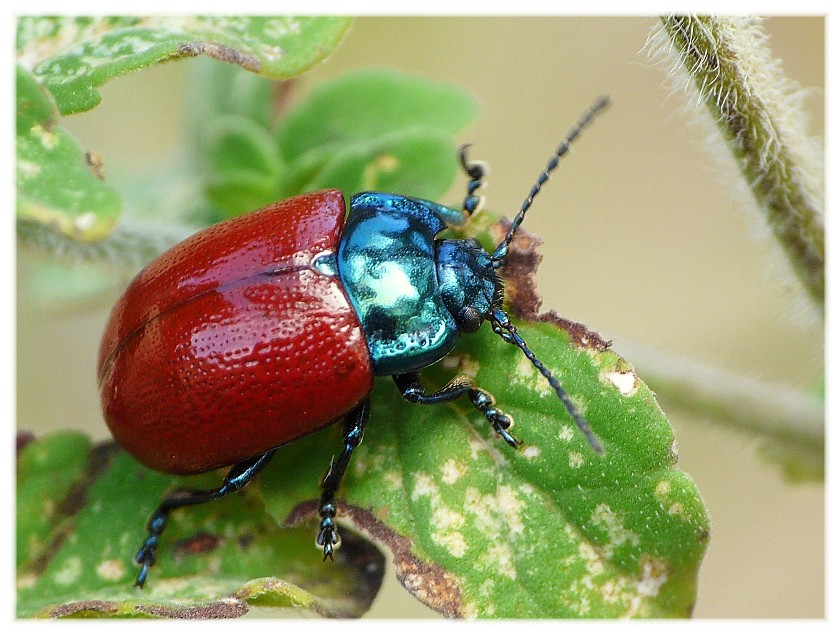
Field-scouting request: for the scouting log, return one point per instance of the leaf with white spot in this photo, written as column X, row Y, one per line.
column 548, row 530
column 73, row 56
column 59, row 185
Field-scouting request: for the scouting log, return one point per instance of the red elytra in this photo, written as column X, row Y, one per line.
column 230, row 344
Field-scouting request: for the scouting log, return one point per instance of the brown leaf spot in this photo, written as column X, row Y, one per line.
column 199, row 544
column 522, row 297
column 78, row 608
column 95, row 164
column 432, row 584
column 23, row 439
column 227, row 608
column 220, row 52
column 99, row 457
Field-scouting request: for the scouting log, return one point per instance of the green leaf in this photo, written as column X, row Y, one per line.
column 364, row 105
column 548, row 530
column 216, row 90
column 244, row 164
column 414, row 162
column 81, row 518
column 74, row 56
column 45, row 472
column 60, row 187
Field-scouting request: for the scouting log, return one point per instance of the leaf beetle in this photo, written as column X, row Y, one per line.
column 270, row 326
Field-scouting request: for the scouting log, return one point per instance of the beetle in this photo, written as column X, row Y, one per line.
column 270, row 326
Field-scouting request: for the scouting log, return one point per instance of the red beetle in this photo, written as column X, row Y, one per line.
column 228, row 331
column 270, row 326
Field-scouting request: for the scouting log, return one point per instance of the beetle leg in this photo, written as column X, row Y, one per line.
column 238, row 476
column 413, row 391
column 354, row 429
column 476, row 170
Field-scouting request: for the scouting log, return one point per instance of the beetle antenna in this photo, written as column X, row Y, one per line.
column 501, row 251
column 503, row 327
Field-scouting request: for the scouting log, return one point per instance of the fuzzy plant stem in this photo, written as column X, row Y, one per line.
column 775, row 414
column 758, row 112
column 132, row 244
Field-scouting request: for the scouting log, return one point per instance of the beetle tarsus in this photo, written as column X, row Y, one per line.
column 328, row 538
column 238, row 476
column 147, row 555
column 354, row 429
column 476, row 170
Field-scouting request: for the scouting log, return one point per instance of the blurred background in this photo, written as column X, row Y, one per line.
column 648, row 240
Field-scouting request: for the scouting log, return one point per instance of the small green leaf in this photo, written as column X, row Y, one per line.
column 59, row 185
column 244, row 164
column 415, row 162
column 215, row 559
column 74, row 56
column 215, row 90
column 364, row 105
column 236, row 192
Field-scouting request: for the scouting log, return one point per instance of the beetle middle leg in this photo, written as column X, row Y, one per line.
column 413, row 391
column 354, row 429
column 238, row 476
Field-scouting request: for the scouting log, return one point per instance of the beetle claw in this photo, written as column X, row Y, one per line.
column 146, row 557
column 328, row 539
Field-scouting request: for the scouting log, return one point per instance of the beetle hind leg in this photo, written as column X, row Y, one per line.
column 413, row 391
column 238, row 476
column 354, row 428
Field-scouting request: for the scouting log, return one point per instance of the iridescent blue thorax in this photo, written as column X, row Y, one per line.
column 409, row 289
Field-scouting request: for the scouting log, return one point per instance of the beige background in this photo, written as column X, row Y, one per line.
column 646, row 238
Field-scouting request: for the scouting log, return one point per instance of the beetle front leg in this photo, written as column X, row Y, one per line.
column 413, row 391
column 238, row 476
column 354, row 429
column 476, row 170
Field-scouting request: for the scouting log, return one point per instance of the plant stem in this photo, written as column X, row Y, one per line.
column 758, row 111
column 131, row 244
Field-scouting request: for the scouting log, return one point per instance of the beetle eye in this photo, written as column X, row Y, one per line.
column 469, row 319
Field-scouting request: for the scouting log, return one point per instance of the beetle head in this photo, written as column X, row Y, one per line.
column 469, row 285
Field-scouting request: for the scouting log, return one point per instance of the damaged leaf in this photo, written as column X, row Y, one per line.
column 73, row 56
column 215, row 560
column 548, row 530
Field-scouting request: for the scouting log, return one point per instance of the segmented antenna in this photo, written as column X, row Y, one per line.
column 501, row 251
column 502, row 326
